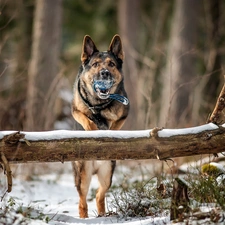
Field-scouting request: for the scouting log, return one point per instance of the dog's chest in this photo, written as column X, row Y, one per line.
column 104, row 119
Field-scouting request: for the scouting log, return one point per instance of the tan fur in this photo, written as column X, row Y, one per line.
column 85, row 110
column 83, row 173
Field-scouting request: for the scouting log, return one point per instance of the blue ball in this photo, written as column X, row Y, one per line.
column 102, row 84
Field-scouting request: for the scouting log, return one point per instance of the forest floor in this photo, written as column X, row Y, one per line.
column 50, row 197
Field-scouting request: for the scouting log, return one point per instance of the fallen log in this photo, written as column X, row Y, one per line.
column 62, row 145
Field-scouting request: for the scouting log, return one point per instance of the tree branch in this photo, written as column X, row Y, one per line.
column 220, row 105
column 55, row 146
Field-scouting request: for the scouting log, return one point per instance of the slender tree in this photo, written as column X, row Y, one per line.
column 15, row 36
column 180, row 71
column 214, row 57
column 43, row 68
column 128, row 20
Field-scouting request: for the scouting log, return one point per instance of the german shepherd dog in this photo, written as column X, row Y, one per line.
column 99, row 103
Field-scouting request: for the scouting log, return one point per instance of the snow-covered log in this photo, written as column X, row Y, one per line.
column 62, row 145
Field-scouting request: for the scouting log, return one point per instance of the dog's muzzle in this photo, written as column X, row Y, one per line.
column 102, row 88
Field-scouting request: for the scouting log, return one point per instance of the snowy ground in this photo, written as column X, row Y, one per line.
column 53, row 198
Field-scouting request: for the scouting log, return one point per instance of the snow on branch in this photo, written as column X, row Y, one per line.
column 63, row 145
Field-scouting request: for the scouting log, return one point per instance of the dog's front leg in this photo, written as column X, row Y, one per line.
column 84, row 121
column 116, row 125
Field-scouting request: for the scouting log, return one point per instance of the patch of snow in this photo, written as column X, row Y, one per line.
column 221, row 179
column 64, row 124
column 56, row 197
column 61, row 134
column 218, row 166
column 194, row 167
column 66, row 95
column 184, row 131
column 4, row 133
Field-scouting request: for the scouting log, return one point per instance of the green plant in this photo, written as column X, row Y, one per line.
column 205, row 189
column 11, row 202
column 153, row 198
column 12, row 211
column 139, row 199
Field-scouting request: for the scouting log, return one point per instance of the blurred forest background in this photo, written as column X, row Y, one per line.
column 173, row 67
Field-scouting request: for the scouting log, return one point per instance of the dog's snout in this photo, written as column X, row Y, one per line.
column 104, row 74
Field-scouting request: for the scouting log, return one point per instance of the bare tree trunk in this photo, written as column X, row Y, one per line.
column 15, row 52
column 43, row 68
column 178, row 78
column 215, row 43
column 128, row 20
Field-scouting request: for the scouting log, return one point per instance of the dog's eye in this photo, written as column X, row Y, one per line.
column 111, row 64
column 95, row 64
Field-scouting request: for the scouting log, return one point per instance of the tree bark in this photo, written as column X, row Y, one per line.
column 179, row 200
column 128, row 20
column 60, row 146
column 219, row 107
column 177, row 98
column 43, row 67
column 214, row 65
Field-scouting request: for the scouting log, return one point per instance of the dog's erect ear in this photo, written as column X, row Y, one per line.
column 88, row 48
column 116, row 47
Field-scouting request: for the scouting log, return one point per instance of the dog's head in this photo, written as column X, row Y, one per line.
column 102, row 71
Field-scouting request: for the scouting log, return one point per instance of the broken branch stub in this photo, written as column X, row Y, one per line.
column 179, row 200
column 220, row 105
column 8, row 171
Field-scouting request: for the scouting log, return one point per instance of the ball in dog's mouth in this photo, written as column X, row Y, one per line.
column 102, row 88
